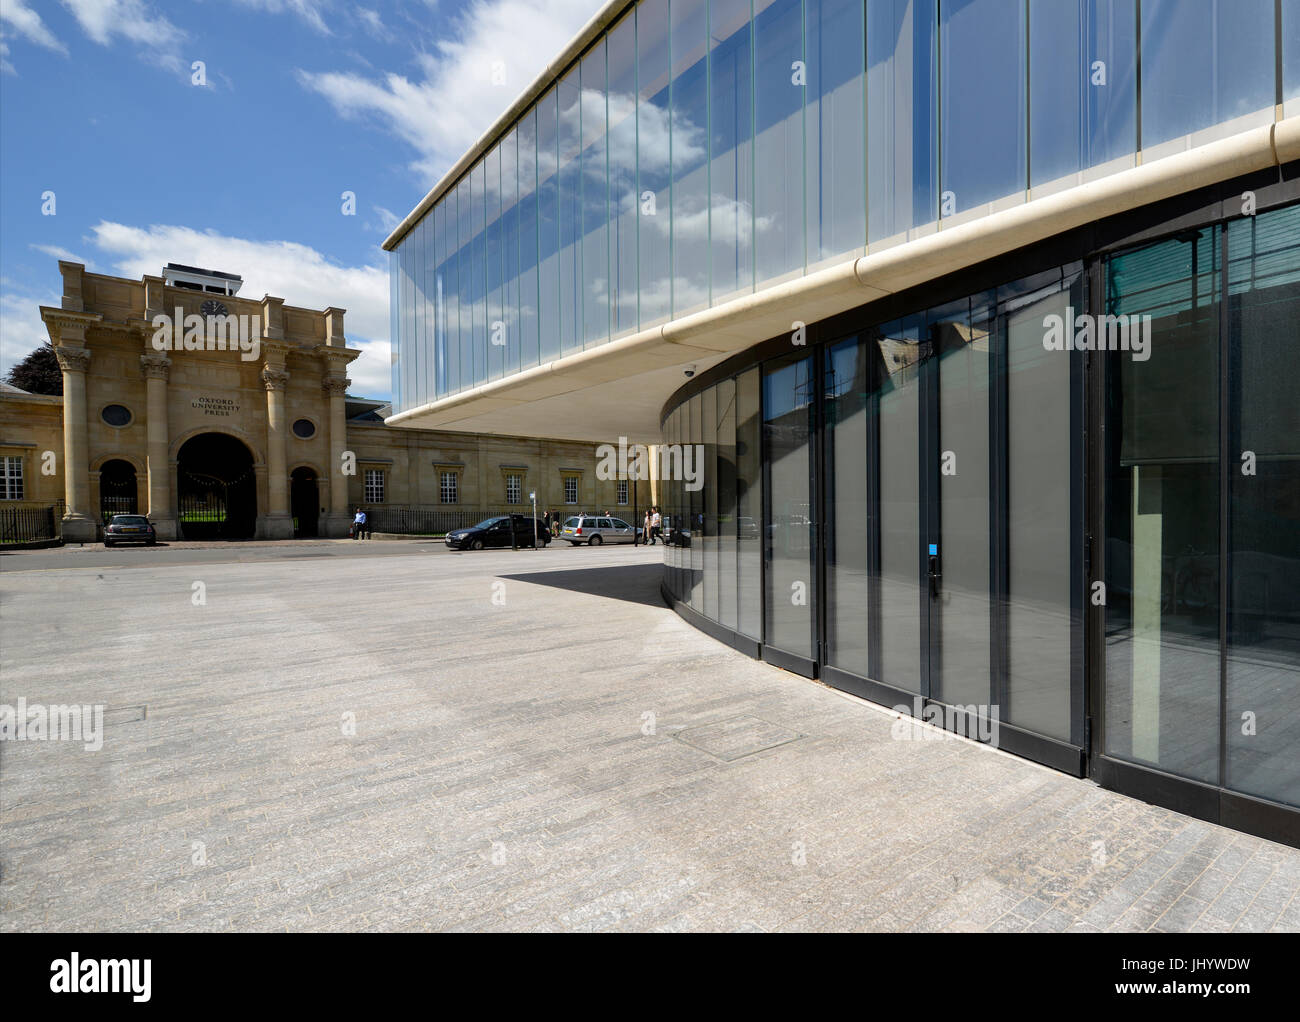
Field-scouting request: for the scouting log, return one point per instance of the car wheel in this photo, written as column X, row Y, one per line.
column 596, row 541
column 476, row 545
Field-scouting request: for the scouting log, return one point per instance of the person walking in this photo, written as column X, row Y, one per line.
column 645, row 530
column 358, row 524
column 656, row 523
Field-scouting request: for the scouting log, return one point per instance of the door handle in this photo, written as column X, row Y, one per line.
column 935, row 576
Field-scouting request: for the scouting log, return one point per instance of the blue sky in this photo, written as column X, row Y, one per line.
column 303, row 100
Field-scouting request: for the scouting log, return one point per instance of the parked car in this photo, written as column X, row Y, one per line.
column 495, row 532
column 597, row 529
column 129, row 529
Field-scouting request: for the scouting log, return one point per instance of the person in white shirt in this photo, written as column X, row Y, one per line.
column 655, row 522
column 358, row 524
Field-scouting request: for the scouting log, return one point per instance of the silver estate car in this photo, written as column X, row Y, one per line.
column 597, row 529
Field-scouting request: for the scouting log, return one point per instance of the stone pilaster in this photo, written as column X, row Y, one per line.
column 337, row 519
column 157, row 369
column 278, row 523
column 80, row 523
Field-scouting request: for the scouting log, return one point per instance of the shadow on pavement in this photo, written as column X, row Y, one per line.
column 636, row 583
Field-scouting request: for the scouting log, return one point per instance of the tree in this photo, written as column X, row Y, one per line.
column 38, row 373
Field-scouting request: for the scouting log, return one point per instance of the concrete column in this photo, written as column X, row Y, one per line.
column 338, row 519
column 80, row 523
column 278, row 523
column 156, row 368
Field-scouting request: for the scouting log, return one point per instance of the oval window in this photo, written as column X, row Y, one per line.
column 304, row 428
column 116, row 415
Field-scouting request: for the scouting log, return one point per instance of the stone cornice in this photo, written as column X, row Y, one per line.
column 336, row 358
column 55, row 317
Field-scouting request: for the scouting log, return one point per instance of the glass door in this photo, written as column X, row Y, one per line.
column 956, row 458
column 790, row 546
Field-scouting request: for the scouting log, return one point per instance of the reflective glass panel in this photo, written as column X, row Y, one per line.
column 902, row 136
column 787, row 432
column 983, row 145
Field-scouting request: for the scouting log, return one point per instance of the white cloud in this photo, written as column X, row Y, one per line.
column 27, row 23
column 21, row 328
column 310, row 11
column 387, row 219
column 371, row 374
column 373, row 24
column 297, row 273
column 58, row 252
column 455, row 100
column 132, row 20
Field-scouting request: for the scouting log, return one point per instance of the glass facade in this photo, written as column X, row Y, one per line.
column 1203, row 509
column 931, row 466
column 700, row 149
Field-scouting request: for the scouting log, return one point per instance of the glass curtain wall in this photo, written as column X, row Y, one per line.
column 1194, row 623
column 701, row 148
column 952, row 432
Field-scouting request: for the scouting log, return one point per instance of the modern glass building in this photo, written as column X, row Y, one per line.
column 986, row 316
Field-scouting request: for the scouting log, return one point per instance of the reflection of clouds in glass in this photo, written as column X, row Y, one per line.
column 654, row 127
column 663, row 140
column 684, row 293
column 733, row 222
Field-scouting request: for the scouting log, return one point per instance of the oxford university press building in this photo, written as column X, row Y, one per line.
column 986, row 314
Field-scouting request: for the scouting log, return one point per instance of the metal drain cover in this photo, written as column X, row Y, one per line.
column 736, row 737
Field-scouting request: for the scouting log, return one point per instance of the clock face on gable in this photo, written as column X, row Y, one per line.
column 212, row 307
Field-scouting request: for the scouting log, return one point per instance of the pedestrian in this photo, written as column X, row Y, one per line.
column 358, row 524
column 645, row 529
column 656, row 523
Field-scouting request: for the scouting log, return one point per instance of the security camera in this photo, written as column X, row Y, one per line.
column 689, row 371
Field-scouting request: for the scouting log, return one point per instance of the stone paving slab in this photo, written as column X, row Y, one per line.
column 407, row 742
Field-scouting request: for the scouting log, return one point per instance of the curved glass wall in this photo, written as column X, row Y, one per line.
column 917, row 490
column 700, row 149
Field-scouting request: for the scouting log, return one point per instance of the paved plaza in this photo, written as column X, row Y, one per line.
column 390, row 736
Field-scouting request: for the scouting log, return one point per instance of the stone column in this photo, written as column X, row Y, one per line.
column 278, row 523
column 80, row 523
column 337, row 520
column 156, row 368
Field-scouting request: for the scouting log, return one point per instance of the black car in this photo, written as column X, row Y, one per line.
column 129, row 529
column 495, row 532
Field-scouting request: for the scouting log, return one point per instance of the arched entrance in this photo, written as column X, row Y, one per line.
column 117, row 489
column 304, row 501
column 215, row 488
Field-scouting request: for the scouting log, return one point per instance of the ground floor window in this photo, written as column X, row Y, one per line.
column 11, row 478
column 514, row 488
column 622, row 491
column 374, row 486
column 571, row 489
column 449, row 487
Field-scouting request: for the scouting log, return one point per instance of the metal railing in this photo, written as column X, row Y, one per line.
column 426, row 519
column 30, row 522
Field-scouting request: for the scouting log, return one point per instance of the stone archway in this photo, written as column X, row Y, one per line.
column 118, row 493
column 304, row 501
column 216, row 488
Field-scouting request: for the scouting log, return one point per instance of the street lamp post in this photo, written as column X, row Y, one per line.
column 532, row 495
